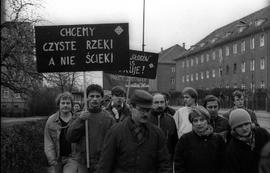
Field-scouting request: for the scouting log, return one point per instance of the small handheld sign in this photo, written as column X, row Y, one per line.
column 73, row 48
column 141, row 64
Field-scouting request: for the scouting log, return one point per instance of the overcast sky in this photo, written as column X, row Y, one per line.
column 167, row 22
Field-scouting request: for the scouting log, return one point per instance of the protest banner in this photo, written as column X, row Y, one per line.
column 73, row 48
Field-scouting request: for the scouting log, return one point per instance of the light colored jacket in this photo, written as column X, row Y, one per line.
column 52, row 140
column 182, row 122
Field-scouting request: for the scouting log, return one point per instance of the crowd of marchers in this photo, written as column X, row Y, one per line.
column 145, row 135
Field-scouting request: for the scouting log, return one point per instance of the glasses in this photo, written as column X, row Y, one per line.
column 143, row 110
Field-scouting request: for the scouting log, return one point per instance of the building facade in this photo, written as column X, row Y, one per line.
column 233, row 56
column 166, row 71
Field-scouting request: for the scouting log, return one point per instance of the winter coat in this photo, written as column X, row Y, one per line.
column 98, row 125
column 167, row 125
column 242, row 158
column 199, row 154
column 182, row 122
column 122, row 153
column 221, row 126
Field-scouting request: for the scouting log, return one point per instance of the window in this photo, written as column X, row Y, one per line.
column 235, row 85
column 252, row 65
column 191, row 62
column 262, row 85
column 227, row 86
column 252, row 43
column 187, row 63
column 234, row 68
column 261, row 40
column 207, row 57
column 243, row 67
column 187, row 78
column 220, row 55
column 191, row 77
column 252, row 86
column 227, row 51
column 243, row 46
column 6, row 93
column 172, row 81
column 243, row 86
column 197, row 60
column 220, row 71
column 16, row 106
column 227, row 69
column 183, row 79
column 207, row 74
column 17, row 95
column 183, row 64
column 235, row 49
column 173, row 69
column 197, row 76
column 262, row 63
column 202, row 58
column 213, row 55
column 201, row 75
column 213, row 73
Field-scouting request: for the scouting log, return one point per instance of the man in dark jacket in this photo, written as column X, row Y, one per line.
column 118, row 108
column 220, row 124
column 99, row 122
column 164, row 121
column 168, row 109
column 134, row 145
column 243, row 150
column 239, row 102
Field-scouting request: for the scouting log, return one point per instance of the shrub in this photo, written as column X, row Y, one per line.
column 22, row 147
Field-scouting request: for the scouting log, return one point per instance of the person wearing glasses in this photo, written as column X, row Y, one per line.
column 218, row 122
column 135, row 145
column 164, row 121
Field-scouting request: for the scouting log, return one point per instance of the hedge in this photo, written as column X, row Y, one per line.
column 22, row 147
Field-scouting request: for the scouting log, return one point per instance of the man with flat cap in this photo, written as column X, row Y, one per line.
column 135, row 145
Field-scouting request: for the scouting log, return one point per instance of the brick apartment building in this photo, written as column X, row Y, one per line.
column 165, row 79
column 233, row 56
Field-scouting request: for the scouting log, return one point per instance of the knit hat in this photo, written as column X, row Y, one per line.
column 142, row 98
column 238, row 117
column 190, row 91
column 197, row 111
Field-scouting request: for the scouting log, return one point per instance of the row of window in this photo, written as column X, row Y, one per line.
column 243, row 86
column 6, row 94
column 205, row 58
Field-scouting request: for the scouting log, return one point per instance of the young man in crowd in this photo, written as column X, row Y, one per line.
column 135, row 145
column 168, row 109
column 61, row 157
column 99, row 123
column 118, row 108
column 220, row 124
column 183, row 125
column 239, row 102
column 243, row 150
column 164, row 121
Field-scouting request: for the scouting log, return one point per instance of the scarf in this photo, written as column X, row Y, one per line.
column 208, row 131
column 249, row 140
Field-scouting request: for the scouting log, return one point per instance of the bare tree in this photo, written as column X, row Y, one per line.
column 18, row 63
column 65, row 81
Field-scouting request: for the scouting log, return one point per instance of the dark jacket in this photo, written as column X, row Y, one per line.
column 122, row 153
column 167, row 124
column 98, row 126
column 241, row 158
column 221, row 126
column 123, row 113
column 197, row 154
column 251, row 113
column 169, row 110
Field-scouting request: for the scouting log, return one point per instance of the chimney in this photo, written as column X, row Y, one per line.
column 161, row 49
column 184, row 45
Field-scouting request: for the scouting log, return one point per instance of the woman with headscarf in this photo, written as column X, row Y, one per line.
column 199, row 151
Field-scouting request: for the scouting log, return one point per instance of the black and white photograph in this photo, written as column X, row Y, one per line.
column 135, row 86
